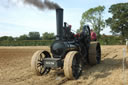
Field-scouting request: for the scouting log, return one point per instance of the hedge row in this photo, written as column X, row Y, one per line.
column 107, row 40
column 111, row 40
column 26, row 43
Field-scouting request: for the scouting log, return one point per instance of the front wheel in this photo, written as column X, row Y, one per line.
column 37, row 62
column 72, row 65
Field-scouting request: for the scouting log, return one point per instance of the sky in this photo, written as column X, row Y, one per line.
column 17, row 19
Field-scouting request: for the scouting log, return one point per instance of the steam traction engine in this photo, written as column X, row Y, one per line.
column 69, row 52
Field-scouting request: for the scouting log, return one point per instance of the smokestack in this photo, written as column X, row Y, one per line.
column 59, row 23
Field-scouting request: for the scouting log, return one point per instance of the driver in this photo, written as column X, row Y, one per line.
column 93, row 35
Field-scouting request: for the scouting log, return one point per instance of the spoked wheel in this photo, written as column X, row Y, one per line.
column 37, row 62
column 94, row 53
column 72, row 65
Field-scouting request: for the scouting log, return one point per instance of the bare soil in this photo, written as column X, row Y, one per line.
column 15, row 68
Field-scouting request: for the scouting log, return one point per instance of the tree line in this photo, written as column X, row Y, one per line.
column 30, row 36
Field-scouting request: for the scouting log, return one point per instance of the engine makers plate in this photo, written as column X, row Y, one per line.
column 52, row 62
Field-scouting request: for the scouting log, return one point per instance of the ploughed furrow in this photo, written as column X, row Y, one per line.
column 15, row 68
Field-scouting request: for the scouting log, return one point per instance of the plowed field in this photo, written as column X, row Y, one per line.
column 15, row 69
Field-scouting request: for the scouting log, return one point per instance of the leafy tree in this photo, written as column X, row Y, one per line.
column 10, row 38
column 6, row 38
column 119, row 20
column 94, row 17
column 34, row 35
column 23, row 37
column 48, row 36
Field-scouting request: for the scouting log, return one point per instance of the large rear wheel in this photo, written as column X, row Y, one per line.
column 37, row 62
column 72, row 65
column 94, row 53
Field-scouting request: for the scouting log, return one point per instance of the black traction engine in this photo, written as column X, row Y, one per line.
column 70, row 51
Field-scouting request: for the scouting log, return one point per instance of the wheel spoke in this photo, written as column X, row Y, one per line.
column 38, row 65
column 41, row 57
column 47, row 70
column 39, row 60
column 41, row 63
column 44, row 70
column 40, row 69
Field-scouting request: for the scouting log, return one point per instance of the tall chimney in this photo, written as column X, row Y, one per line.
column 59, row 23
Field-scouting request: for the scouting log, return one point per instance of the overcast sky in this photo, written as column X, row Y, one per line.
column 18, row 19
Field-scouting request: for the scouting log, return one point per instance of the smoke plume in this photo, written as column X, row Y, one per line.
column 43, row 5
